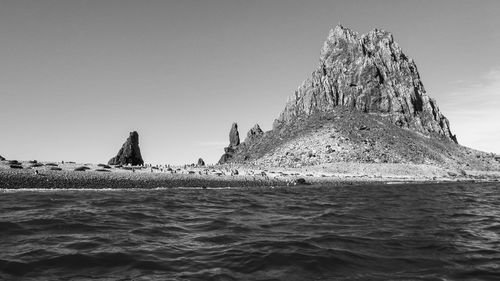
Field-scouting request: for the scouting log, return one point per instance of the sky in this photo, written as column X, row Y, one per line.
column 77, row 76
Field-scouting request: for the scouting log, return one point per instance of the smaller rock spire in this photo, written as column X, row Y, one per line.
column 255, row 132
column 234, row 136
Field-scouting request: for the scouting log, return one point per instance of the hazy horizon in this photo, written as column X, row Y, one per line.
column 78, row 76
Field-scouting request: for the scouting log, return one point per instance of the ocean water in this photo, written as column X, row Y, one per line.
column 368, row 232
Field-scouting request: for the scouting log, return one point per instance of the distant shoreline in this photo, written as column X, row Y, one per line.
column 217, row 176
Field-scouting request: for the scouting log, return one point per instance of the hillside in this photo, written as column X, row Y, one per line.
column 347, row 135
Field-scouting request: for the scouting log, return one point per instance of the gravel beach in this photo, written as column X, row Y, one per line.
column 71, row 175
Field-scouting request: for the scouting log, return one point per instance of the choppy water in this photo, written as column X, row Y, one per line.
column 384, row 232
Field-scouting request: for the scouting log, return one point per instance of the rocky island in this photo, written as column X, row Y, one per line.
column 364, row 107
column 362, row 116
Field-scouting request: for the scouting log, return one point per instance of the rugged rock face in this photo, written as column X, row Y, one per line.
column 254, row 133
column 371, row 74
column 129, row 153
column 201, row 162
column 234, row 142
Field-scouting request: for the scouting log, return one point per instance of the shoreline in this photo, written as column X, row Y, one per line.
column 224, row 176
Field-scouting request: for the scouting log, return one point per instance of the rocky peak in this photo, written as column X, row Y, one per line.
column 254, row 132
column 129, row 153
column 369, row 73
column 338, row 38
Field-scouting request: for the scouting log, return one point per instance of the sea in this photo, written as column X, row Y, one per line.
column 352, row 232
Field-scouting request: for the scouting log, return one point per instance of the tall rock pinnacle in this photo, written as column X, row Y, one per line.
column 371, row 74
column 234, row 136
column 129, row 153
column 234, row 142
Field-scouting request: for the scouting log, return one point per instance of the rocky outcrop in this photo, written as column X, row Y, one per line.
column 369, row 73
column 254, row 133
column 201, row 162
column 234, row 142
column 1, row 158
column 129, row 153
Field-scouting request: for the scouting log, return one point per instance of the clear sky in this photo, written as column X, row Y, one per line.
column 77, row 76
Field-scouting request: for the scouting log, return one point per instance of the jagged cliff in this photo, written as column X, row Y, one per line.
column 371, row 74
column 365, row 103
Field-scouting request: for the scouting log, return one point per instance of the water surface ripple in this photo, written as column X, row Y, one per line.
column 370, row 232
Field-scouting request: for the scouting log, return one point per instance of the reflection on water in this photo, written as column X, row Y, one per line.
column 397, row 232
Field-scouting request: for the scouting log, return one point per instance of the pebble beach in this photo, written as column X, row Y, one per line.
column 49, row 175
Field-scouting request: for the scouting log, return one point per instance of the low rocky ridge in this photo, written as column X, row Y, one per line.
column 364, row 104
column 347, row 135
column 129, row 153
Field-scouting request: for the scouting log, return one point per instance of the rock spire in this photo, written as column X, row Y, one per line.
column 129, row 153
column 234, row 142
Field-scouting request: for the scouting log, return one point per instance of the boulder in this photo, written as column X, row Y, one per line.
column 130, row 152
column 225, row 158
column 301, row 181
column 201, row 162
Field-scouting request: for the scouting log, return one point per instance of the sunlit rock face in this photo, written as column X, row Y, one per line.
column 371, row 74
